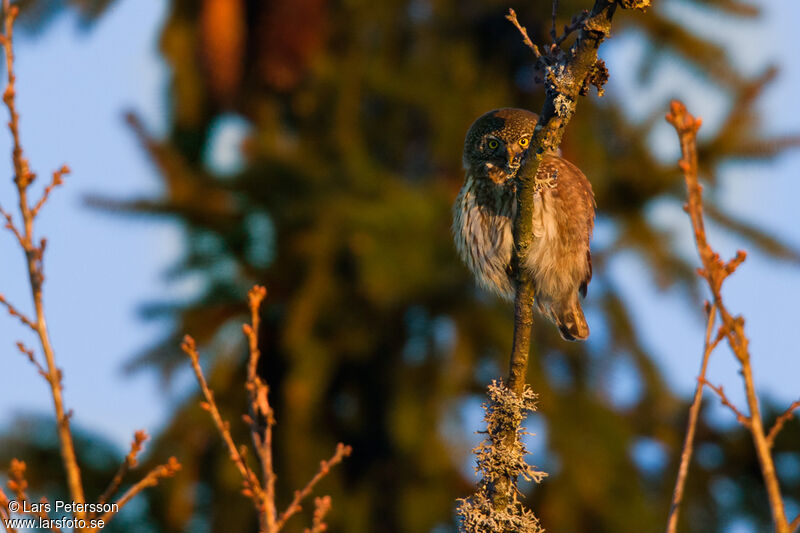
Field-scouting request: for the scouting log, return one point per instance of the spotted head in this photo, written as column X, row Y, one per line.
column 496, row 143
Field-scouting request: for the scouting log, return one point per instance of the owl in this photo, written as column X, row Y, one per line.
column 558, row 262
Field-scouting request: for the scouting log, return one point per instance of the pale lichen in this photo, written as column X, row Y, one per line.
column 495, row 507
column 641, row 5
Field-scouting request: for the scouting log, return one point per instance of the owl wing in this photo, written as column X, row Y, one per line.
column 575, row 192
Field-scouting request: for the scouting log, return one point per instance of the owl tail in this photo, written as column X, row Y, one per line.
column 569, row 318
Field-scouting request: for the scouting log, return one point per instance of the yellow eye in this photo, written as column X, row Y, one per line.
column 524, row 142
column 493, row 144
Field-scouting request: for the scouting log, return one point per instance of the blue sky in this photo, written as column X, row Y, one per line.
column 764, row 290
column 73, row 88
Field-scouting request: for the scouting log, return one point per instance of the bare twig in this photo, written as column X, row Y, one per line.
column 512, row 16
column 23, row 177
column 715, row 271
column 250, row 480
column 13, row 311
column 740, row 417
column 694, row 411
column 574, row 25
column 27, row 352
column 553, row 33
column 321, row 507
column 261, row 420
column 34, row 254
column 150, row 480
column 794, row 524
column 18, row 485
column 784, row 417
column 130, row 461
column 259, row 409
column 58, row 179
column 10, row 224
column 5, row 512
column 342, row 451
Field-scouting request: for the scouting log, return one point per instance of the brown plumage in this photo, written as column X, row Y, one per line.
column 558, row 261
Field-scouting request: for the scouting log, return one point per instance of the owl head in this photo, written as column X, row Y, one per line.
column 496, row 143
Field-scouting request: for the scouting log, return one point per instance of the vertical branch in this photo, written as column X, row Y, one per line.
column 715, row 271
column 694, row 412
column 259, row 410
column 23, row 177
column 523, row 323
column 567, row 76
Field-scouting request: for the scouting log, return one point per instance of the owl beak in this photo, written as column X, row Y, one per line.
column 514, row 161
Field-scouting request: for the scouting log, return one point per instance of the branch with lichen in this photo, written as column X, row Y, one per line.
column 260, row 418
column 715, row 271
column 567, row 74
column 33, row 250
column 498, row 459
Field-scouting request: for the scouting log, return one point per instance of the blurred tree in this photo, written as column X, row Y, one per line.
column 352, row 117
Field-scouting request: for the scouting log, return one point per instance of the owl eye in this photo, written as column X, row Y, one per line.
column 524, row 142
column 493, row 144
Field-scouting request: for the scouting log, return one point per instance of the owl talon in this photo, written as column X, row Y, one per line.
column 565, row 333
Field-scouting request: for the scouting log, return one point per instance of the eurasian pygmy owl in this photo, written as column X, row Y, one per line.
column 558, row 261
